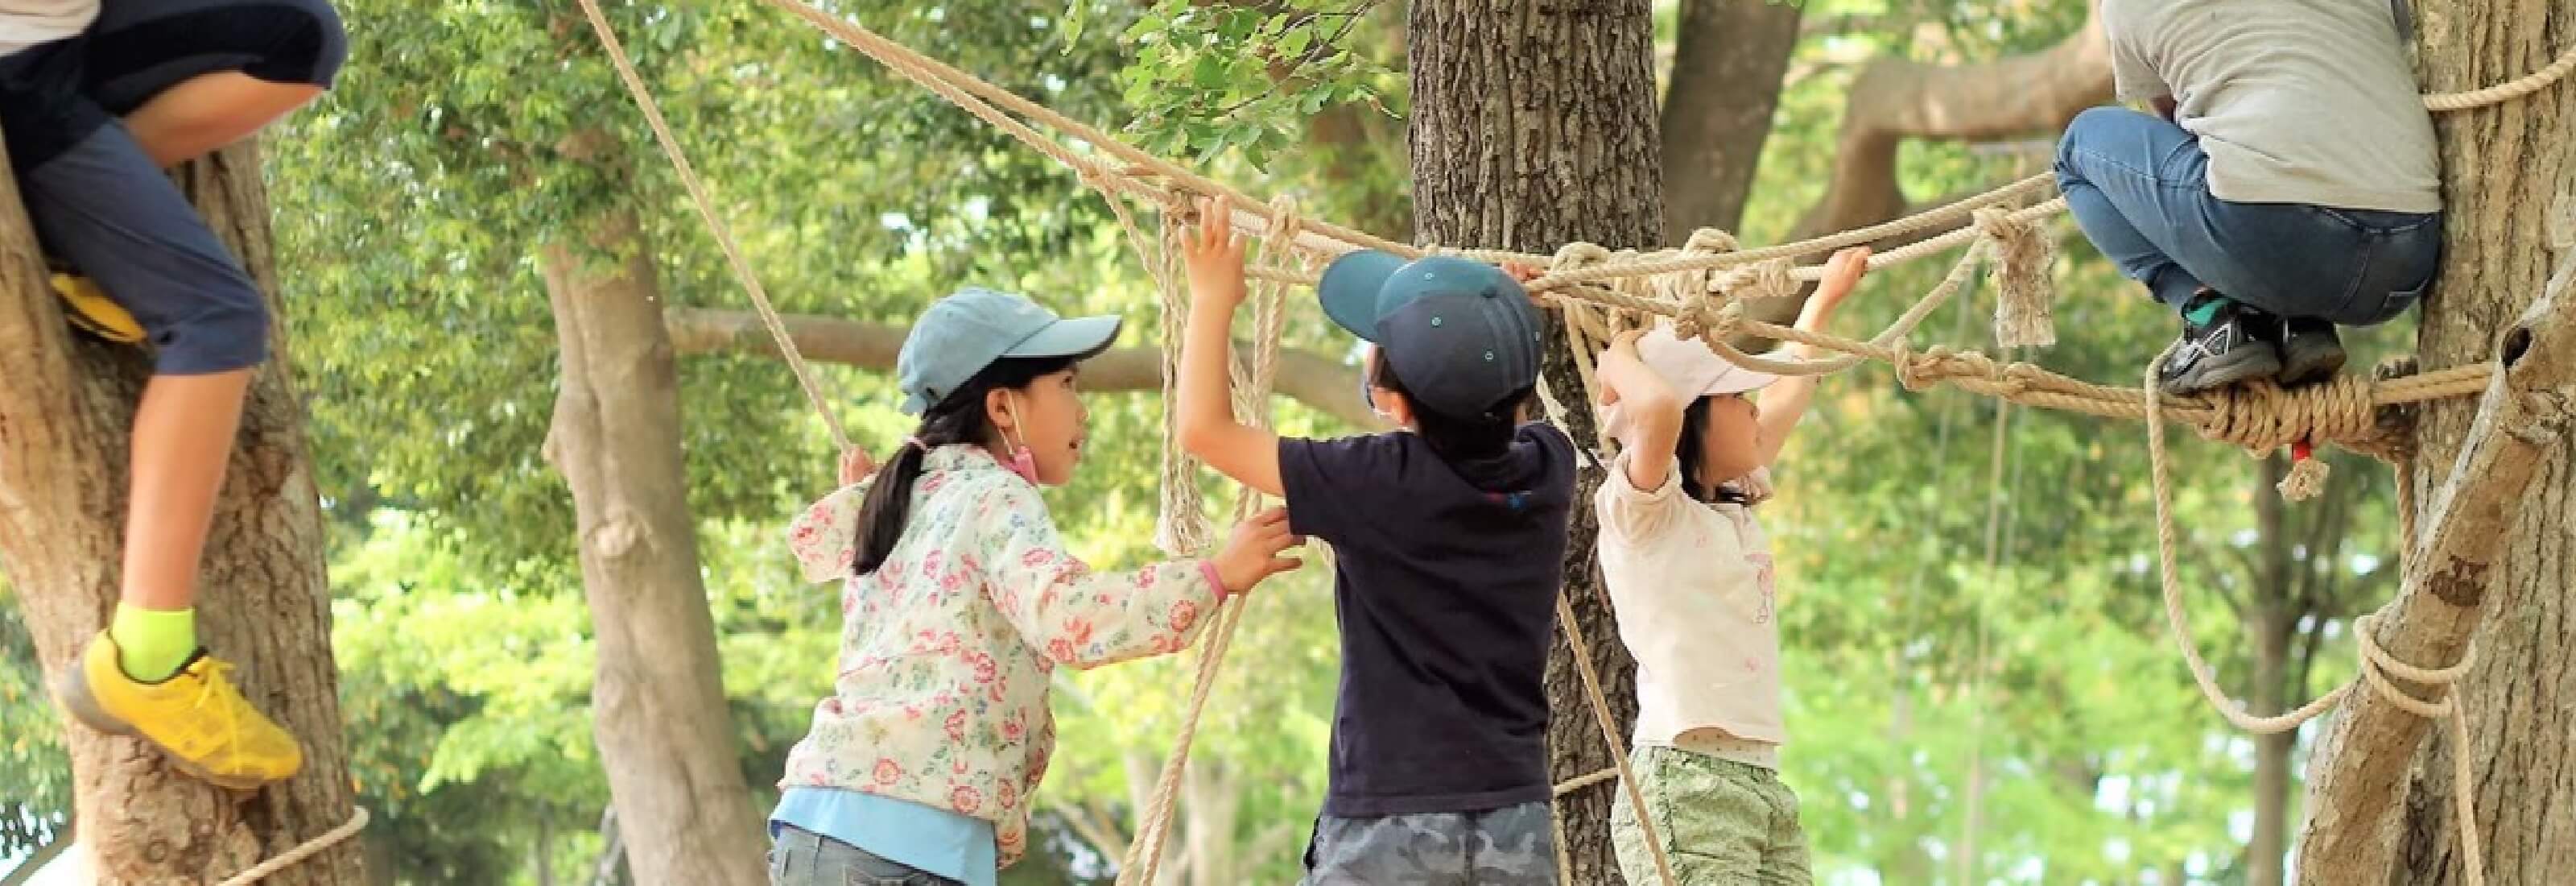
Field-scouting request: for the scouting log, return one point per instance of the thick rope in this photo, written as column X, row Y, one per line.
column 2376, row 663
column 2025, row 384
column 1144, row 856
column 307, row 849
column 1181, row 527
column 1145, row 853
column 698, row 195
column 973, row 93
column 2243, row 420
column 2505, row 92
column 1610, row 734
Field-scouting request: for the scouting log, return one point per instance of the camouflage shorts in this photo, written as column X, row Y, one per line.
column 1511, row 846
column 1720, row 821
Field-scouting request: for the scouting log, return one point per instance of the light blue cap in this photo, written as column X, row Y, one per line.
column 967, row 331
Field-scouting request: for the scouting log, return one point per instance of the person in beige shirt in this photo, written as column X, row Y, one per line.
column 1690, row 575
column 2286, row 183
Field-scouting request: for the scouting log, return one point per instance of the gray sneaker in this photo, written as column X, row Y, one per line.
column 2225, row 351
column 2310, row 352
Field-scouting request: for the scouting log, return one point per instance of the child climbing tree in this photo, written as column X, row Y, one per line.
column 64, row 419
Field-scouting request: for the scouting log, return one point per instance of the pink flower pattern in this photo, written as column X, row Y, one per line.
column 942, row 692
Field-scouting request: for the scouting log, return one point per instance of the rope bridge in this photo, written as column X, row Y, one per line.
column 1701, row 288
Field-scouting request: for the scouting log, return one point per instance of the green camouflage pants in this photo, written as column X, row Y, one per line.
column 1722, row 823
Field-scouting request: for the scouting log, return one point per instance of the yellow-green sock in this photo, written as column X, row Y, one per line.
column 151, row 644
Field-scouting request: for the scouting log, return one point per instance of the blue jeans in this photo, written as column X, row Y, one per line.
column 2139, row 187
column 804, row 858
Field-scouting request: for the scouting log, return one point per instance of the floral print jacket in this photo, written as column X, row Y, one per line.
column 946, row 650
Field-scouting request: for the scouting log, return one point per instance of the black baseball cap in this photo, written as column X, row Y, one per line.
column 1461, row 334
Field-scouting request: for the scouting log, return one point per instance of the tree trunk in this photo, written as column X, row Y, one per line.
column 664, row 736
column 1727, row 66
column 2380, row 796
column 64, row 415
column 1533, row 126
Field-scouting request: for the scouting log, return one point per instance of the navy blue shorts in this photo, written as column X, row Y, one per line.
column 98, row 201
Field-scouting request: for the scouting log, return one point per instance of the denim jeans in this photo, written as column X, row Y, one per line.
column 2139, row 187
column 804, row 858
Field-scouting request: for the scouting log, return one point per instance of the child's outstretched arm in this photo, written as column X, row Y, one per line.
column 1084, row 619
column 1785, row 401
column 1208, row 428
column 1652, row 409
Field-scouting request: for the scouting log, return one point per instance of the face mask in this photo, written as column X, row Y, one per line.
column 1023, row 462
column 1368, row 393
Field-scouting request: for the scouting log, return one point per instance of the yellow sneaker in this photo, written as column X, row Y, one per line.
column 197, row 716
column 92, row 311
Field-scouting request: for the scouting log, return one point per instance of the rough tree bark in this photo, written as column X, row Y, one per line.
column 658, row 702
column 1534, row 125
column 64, row 415
column 2379, row 795
column 1725, row 85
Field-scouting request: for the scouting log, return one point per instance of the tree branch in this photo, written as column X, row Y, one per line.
column 1322, row 383
column 2360, row 767
column 1896, row 99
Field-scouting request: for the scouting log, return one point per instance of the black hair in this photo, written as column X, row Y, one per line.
column 1457, row 439
column 958, row 418
column 1686, row 450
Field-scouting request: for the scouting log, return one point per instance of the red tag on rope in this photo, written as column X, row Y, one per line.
column 2302, row 450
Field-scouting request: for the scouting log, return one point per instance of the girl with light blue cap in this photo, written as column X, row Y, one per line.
column 959, row 599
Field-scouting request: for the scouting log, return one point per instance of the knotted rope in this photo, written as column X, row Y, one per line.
column 2376, row 663
column 1251, row 398
column 2226, row 415
column 1181, row 527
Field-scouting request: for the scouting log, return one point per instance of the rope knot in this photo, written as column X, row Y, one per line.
column 1285, row 222
column 1576, row 256
column 1711, row 241
column 2261, row 417
column 1709, row 318
column 1770, row 278
column 1920, row 372
column 2022, row 258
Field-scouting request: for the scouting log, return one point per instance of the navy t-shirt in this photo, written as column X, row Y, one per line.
column 1444, row 584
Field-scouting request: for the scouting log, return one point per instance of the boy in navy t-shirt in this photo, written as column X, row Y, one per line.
column 1450, row 539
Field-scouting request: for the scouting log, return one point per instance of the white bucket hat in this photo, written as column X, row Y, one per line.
column 1690, row 368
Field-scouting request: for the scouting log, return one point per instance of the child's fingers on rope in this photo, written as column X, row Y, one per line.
column 1842, row 275
column 1216, row 228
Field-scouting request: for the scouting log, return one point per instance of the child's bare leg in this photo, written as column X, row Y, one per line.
column 206, row 113
column 183, row 434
